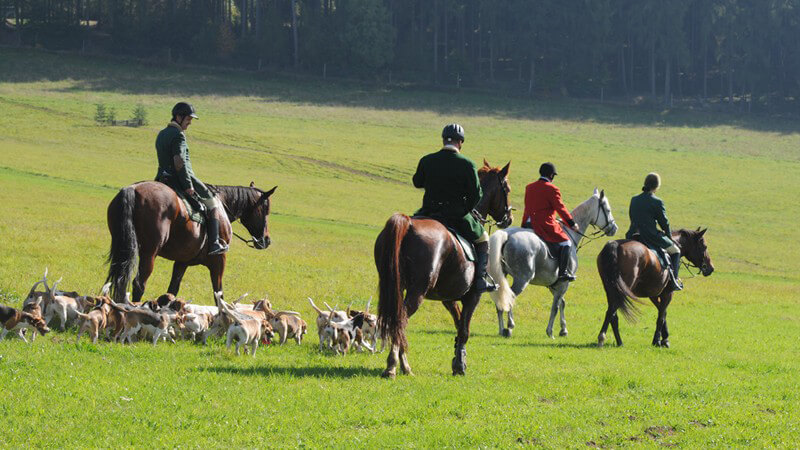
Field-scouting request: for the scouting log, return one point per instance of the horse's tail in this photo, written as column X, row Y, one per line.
column 503, row 297
column 392, row 316
column 617, row 291
column 124, row 245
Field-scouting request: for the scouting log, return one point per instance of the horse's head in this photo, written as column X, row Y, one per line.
column 603, row 218
column 495, row 202
column 694, row 248
column 255, row 217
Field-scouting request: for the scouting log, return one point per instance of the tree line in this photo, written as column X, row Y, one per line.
column 744, row 52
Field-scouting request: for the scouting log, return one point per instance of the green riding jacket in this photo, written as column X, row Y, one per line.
column 171, row 141
column 645, row 212
column 452, row 190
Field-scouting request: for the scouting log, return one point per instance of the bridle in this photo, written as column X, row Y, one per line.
column 253, row 242
column 507, row 208
column 598, row 233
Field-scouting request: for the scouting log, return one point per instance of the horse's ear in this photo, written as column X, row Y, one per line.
column 595, row 192
column 252, row 184
column 505, row 169
column 486, row 163
column 266, row 195
column 702, row 232
column 602, row 193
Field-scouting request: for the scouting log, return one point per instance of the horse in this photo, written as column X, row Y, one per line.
column 629, row 270
column 421, row 257
column 147, row 219
column 521, row 253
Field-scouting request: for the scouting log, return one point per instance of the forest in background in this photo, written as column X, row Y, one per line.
column 737, row 54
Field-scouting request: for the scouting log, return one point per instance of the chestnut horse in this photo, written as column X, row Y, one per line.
column 421, row 257
column 147, row 219
column 630, row 270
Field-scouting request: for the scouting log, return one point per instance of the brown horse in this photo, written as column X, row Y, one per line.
column 148, row 219
column 421, row 257
column 630, row 270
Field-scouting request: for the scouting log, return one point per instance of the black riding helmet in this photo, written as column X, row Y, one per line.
column 548, row 170
column 184, row 109
column 453, row 132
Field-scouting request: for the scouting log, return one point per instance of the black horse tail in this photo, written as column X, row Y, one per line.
column 124, row 245
column 617, row 291
column 392, row 316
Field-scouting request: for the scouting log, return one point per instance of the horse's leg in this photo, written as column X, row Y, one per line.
column 412, row 301
column 454, row 310
column 558, row 294
column 147, row 261
column 216, row 268
column 511, row 323
column 615, row 327
column 178, row 269
column 659, row 321
column 500, row 323
column 665, row 300
column 391, row 361
column 519, row 284
column 469, row 303
column 601, row 338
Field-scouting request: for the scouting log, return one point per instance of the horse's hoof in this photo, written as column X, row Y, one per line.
column 563, row 333
column 459, row 367
column 619, row 344
column 601, row 340
column 656, row 344
column 391, row 374
column 506, row 333
column 665, row 343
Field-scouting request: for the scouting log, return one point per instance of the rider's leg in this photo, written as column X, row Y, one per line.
column 675, row 264
column 215, row 245
column 564, row 257
column 481, row 280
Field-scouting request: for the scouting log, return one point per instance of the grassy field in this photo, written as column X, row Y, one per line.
column 342, row 156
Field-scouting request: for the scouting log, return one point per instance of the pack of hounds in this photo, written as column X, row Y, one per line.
column 169, row 318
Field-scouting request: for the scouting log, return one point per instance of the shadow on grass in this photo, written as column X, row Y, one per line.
column 298, row 372
column 105, row 74
column 555, row 344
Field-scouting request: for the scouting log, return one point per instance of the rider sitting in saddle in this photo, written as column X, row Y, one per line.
column 645, row 211
column 542, row 201
column 175, row 170
column 452, row 191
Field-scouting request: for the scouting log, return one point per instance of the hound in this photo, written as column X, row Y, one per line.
column 286, row 323
column 13, row 319
column 246, row 330
column 322, row 323
column 136, row 319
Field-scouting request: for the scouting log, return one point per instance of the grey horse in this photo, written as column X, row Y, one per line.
column 519, row 252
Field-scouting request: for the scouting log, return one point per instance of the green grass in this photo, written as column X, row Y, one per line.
column 342, row 156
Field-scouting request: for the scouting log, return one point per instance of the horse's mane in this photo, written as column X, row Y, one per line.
column 237, row 198
column 486, row 168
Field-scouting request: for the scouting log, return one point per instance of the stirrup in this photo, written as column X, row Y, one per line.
column 677, row 284
column 482, row 284
column 217, row 248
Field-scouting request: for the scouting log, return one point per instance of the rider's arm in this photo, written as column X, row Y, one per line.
column 179, row 155
column 661, row 218
column 474, row 191
column 419, row 176
column 557, row 204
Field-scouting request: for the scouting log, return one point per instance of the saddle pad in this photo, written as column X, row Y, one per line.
column 469, row 250
column 192, row 208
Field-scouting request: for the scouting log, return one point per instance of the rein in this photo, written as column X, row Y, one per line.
column 597, row 234
column 249, row 242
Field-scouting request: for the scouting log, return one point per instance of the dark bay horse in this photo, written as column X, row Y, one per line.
column 630, row 270
column 421, row 257
column 148, row 219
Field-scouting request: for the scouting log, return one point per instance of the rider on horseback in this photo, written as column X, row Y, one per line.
column 542, row 201
column 645, row 211
column 452, row 191
column 175, row 169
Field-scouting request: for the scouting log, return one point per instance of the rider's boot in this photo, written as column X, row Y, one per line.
column 675, row 265
column 483, row 283
column 215, row 245
column 563, row 265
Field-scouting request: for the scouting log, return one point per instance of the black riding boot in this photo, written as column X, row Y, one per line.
column 564, row 254
column 215, row 245
column 483, row 283
column 675, row 265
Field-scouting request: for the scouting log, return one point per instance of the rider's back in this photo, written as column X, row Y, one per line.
column 450, row 182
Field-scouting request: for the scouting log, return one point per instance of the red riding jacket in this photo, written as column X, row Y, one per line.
column 542, row 201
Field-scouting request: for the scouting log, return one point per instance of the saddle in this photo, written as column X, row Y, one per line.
column 661, row 254
column 552, row 248
column 469, row 249
column 194, row 209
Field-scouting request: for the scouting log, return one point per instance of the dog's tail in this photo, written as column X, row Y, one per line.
column 124, row 245
column 392, row 317
column 319, row 311
column 618, row 293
